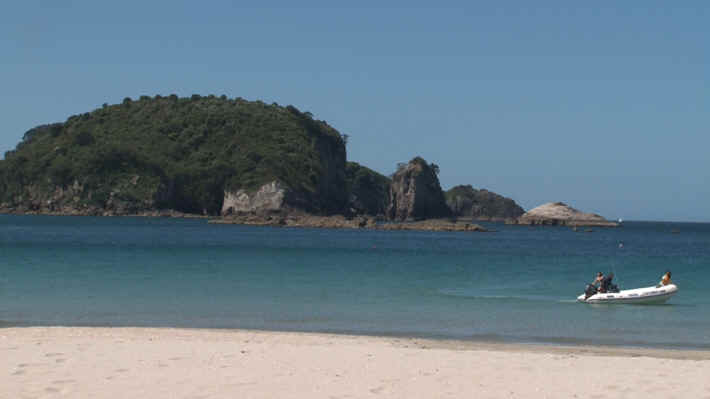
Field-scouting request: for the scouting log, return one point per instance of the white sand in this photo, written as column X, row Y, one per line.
column 181, row 363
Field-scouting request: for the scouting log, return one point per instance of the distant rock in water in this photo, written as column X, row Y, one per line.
column 415, row 193
column 559, row 213
column 466, row 201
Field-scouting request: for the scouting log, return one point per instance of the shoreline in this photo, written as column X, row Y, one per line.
column 349, row 223
column 297, row 220
column 160, row 214
column 361, row 222
column 102, row 362
column 472, row 344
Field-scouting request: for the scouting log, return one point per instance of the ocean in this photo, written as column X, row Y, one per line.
column 518, row 284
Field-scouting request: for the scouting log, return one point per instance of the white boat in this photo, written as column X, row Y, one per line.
column 647, row 295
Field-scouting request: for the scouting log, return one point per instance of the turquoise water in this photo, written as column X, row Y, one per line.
column 518, row 284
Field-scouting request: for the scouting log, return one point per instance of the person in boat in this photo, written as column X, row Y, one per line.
column 605, row 283
column 665, row 279
column 598, row 279
column 592, row 287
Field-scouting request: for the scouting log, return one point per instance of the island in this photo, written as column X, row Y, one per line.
column 233, row 161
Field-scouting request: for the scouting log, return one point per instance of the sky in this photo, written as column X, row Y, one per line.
column 602, row 106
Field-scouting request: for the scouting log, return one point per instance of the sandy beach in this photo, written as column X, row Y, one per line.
column 46, row 362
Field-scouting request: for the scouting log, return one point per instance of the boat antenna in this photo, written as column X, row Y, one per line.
column 613, row 264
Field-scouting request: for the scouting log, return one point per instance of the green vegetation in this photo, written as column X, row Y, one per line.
column 461, row 191
column 466, row 201
column 178, row 153
column 369, row 190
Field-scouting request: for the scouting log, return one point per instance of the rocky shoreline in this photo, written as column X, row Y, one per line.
column 342, row 222
column 564, row 223
column 275, row 220
column 298, row 219
column 157, row 213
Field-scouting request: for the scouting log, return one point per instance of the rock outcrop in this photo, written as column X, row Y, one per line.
column 298, row 219
column 76, row 199
column 341, row 222
column 467, row 202
column 268, row 198
column 415, row 193
column 558, row 213
column 369, row 191
column 434, row 225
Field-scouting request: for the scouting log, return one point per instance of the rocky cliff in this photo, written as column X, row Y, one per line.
column 415, row 193
column 76, row 199
column 369, row 191
column 559, row 213
column 269, row 198
column 466, row 201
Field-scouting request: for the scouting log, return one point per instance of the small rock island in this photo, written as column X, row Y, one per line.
column 561, row 214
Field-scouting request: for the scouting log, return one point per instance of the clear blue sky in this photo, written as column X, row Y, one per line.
column 603, row 107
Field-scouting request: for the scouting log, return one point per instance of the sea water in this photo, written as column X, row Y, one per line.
column 518, row 284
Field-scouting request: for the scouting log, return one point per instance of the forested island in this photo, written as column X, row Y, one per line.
column 235, row 160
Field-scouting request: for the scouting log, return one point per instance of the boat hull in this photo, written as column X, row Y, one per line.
column 647, row 295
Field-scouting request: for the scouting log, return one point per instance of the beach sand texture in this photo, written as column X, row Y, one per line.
column 81, row 362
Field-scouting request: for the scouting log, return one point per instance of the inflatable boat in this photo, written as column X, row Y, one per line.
column 648, row 295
